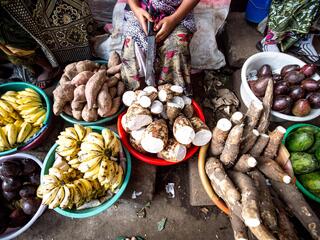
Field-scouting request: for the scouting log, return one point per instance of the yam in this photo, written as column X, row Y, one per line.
column 144, row 101
column 179, row 101
column 86, row 65
column 188, row 111
column 138, row 117
column 245, row 163
column 238, row 227
column 136, row 145
column 267, row 209
column 260, row 145
column 232, row 146
column 124, row 123
column 163, row 114
column 173, row 152
column 155, row 137
column 116, row 103
column 165, row 93
column 70, row 70
column 272, row 170
column 237, row 118
column 93, row 88
column 79, row 98
column 203, row 134
column 295, row 201
column 177, row 90
column 104, row 101
column 267, row 104
column 115, row 69
column 82, row 78
column 120, row 88
column 135, row 139
column 274, row 142
column 112, row 81
column 151, row 91
column 187, row 100
column 156, row 107
column 89, row 115
column 249, row 198
column 62, row 95
column 219, row 136
column 249, row 141
column 183, row 130
column 128, row 98
column 114, row 59
column 173, row 110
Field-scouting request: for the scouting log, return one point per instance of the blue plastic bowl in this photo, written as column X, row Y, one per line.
column 85, row 213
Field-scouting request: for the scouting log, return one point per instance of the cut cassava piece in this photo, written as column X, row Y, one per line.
column 219, row 136
column 249, row 198
column 165, row 93
column 104, row 101
column 173, row 152
column 267, row 102
column 178, row 100
column 260, row 145
column 238, row 227
column 274, row 143
column 293, row 199
column 124, row 123
column 176, row 89
column 138, row 117
column 203, row 134
column 128, row 98
column 245, row 163
column 266, row 206
column 144, row 101
column 135, row 139
column 237, row 118
column 232, row 146
column 219, row 177
column 93, row 87
column 155, row 137
column 182, row 130
column 249, row 141
column 82, row 78
column 272, row 170
column 156, row 107
column 136, row 144
column 173, row 110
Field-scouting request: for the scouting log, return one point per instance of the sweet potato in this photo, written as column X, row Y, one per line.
column 113, row 92
column 67, row 109
column 120, row 88
column 62, row 95
column 70, row 70
column 112, row 81
column 82, row 78
column 116, row 102
column 93, row 87
column 86, row 65
column 114, row 59
column 64, row 80
column 115, row 69
column 104, row 101
column 79, row 99
column 77, row 114
column 89, row 115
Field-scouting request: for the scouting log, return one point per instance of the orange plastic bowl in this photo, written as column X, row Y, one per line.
column 152, row 158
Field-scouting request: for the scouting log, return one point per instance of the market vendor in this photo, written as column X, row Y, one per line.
column 174, row 26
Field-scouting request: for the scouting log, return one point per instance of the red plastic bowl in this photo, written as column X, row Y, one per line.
column 151, row 158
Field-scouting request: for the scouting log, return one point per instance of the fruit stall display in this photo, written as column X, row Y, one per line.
column 162, row 122
column 89, row 91
column 20, row 178
column 303, row 143
column 296, row 92
column 88, row 169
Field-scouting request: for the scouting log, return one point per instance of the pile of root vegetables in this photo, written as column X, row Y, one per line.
column 89, row 91
column 161, row 121
column 244, row 171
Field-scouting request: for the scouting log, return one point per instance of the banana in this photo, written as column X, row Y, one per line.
column 48, row 187
column 11, row 132
column 109, row 173
column 18, row 124
column 48, row 179
column 32, row 118
column 40, row 120
column 88, row 130
column 66, row 141
column 81, row 188
column 24, row 100
column 29, row 105
column 10, row 93
column 87, row 186
column 92, row 174
column 4, row 113
column 50, row 196
column 57, row 173
column 40, row 191
column 74, row 161
column 28, row 92
column 88, row 147
column 85, row 157
column 117, row 180
column 70, row 131
column 3, row 139
column 61, row 165
column 67, row 197
column 81, row 131
column 29, row 111
column 58, row 199
column 24, row 131
column 107, row 136
column 114, row 146
column 67, row 152
column 6, row 106
column 95, row 138
column 77, row 197
column 89, row 165
column 32, row 133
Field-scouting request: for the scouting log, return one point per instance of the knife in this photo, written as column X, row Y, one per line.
column 151, row 40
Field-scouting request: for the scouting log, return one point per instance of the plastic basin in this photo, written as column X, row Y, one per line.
column 37, row 139
column 299, row 185
column 12, row 233
column 85, row 213
column 152, row 158
column 276, row 61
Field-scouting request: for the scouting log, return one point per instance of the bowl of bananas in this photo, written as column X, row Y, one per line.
column 85, row 172
column 25, row 115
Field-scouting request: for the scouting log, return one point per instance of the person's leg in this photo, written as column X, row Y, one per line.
column 304, row 47
column 269, row 42
column 174, row 59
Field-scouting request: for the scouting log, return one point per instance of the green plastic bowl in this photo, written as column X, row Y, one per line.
column 37, row 138
column 85, row 213
column 299, row 185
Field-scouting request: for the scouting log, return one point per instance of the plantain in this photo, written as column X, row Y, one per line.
column 25, row 129
column 12, row 133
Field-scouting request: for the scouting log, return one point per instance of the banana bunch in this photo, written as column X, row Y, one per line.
column 57, row 190
column 69, row 141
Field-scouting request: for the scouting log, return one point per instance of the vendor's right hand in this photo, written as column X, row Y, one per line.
column 143, row 16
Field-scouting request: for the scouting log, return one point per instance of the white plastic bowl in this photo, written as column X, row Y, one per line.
column 15, row 232
column 276, row 61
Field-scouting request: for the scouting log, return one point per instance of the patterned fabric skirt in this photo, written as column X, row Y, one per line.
column 292, row 19
column 172, row 63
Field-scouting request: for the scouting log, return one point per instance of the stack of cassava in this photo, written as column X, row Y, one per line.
column 88, row 90
column 243, row 157
column 162, row 121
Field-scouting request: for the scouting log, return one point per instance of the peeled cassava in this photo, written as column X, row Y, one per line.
column 155, row 137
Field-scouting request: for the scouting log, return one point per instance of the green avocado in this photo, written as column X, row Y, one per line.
column 309, row 129
column 303, row 162
column 299, row 141
column 317, row 154
column 316, row 144
column 311, row 181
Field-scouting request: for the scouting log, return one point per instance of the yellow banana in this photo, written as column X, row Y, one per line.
column 89, row 165
column 50, row 196
column 87, row 186
column 11, row 132
column 6, row 106
column 76, row 193
column 40, row 120
column 67, row 197
column 81, row 188
column 88, row 147
column 66, row 141
column 28, row 106
column 95, row 138
column 93, row 174
column 67, row 152
column 26, row 128
column 28, row 92
column 57, row 173
column 114, row 146
column 107, row 136
column 48, row 187
column 47, row 179
column 32, row 133
column 29, row 111
column 81, row 131
column 3, row 139
column 117, row 180
column 32, row 118
column 58, row 199
column 101, row 174
column 109, row 173
column 24, row 100
column 70, row 131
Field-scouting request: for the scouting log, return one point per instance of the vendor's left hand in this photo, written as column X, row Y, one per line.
column 164, row 28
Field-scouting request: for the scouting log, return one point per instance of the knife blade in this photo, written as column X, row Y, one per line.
column 150, row 56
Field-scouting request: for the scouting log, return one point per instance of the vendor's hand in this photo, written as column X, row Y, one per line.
column 143, row 16
column 165, row 27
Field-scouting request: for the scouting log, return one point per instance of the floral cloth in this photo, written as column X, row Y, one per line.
column 172, row 61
